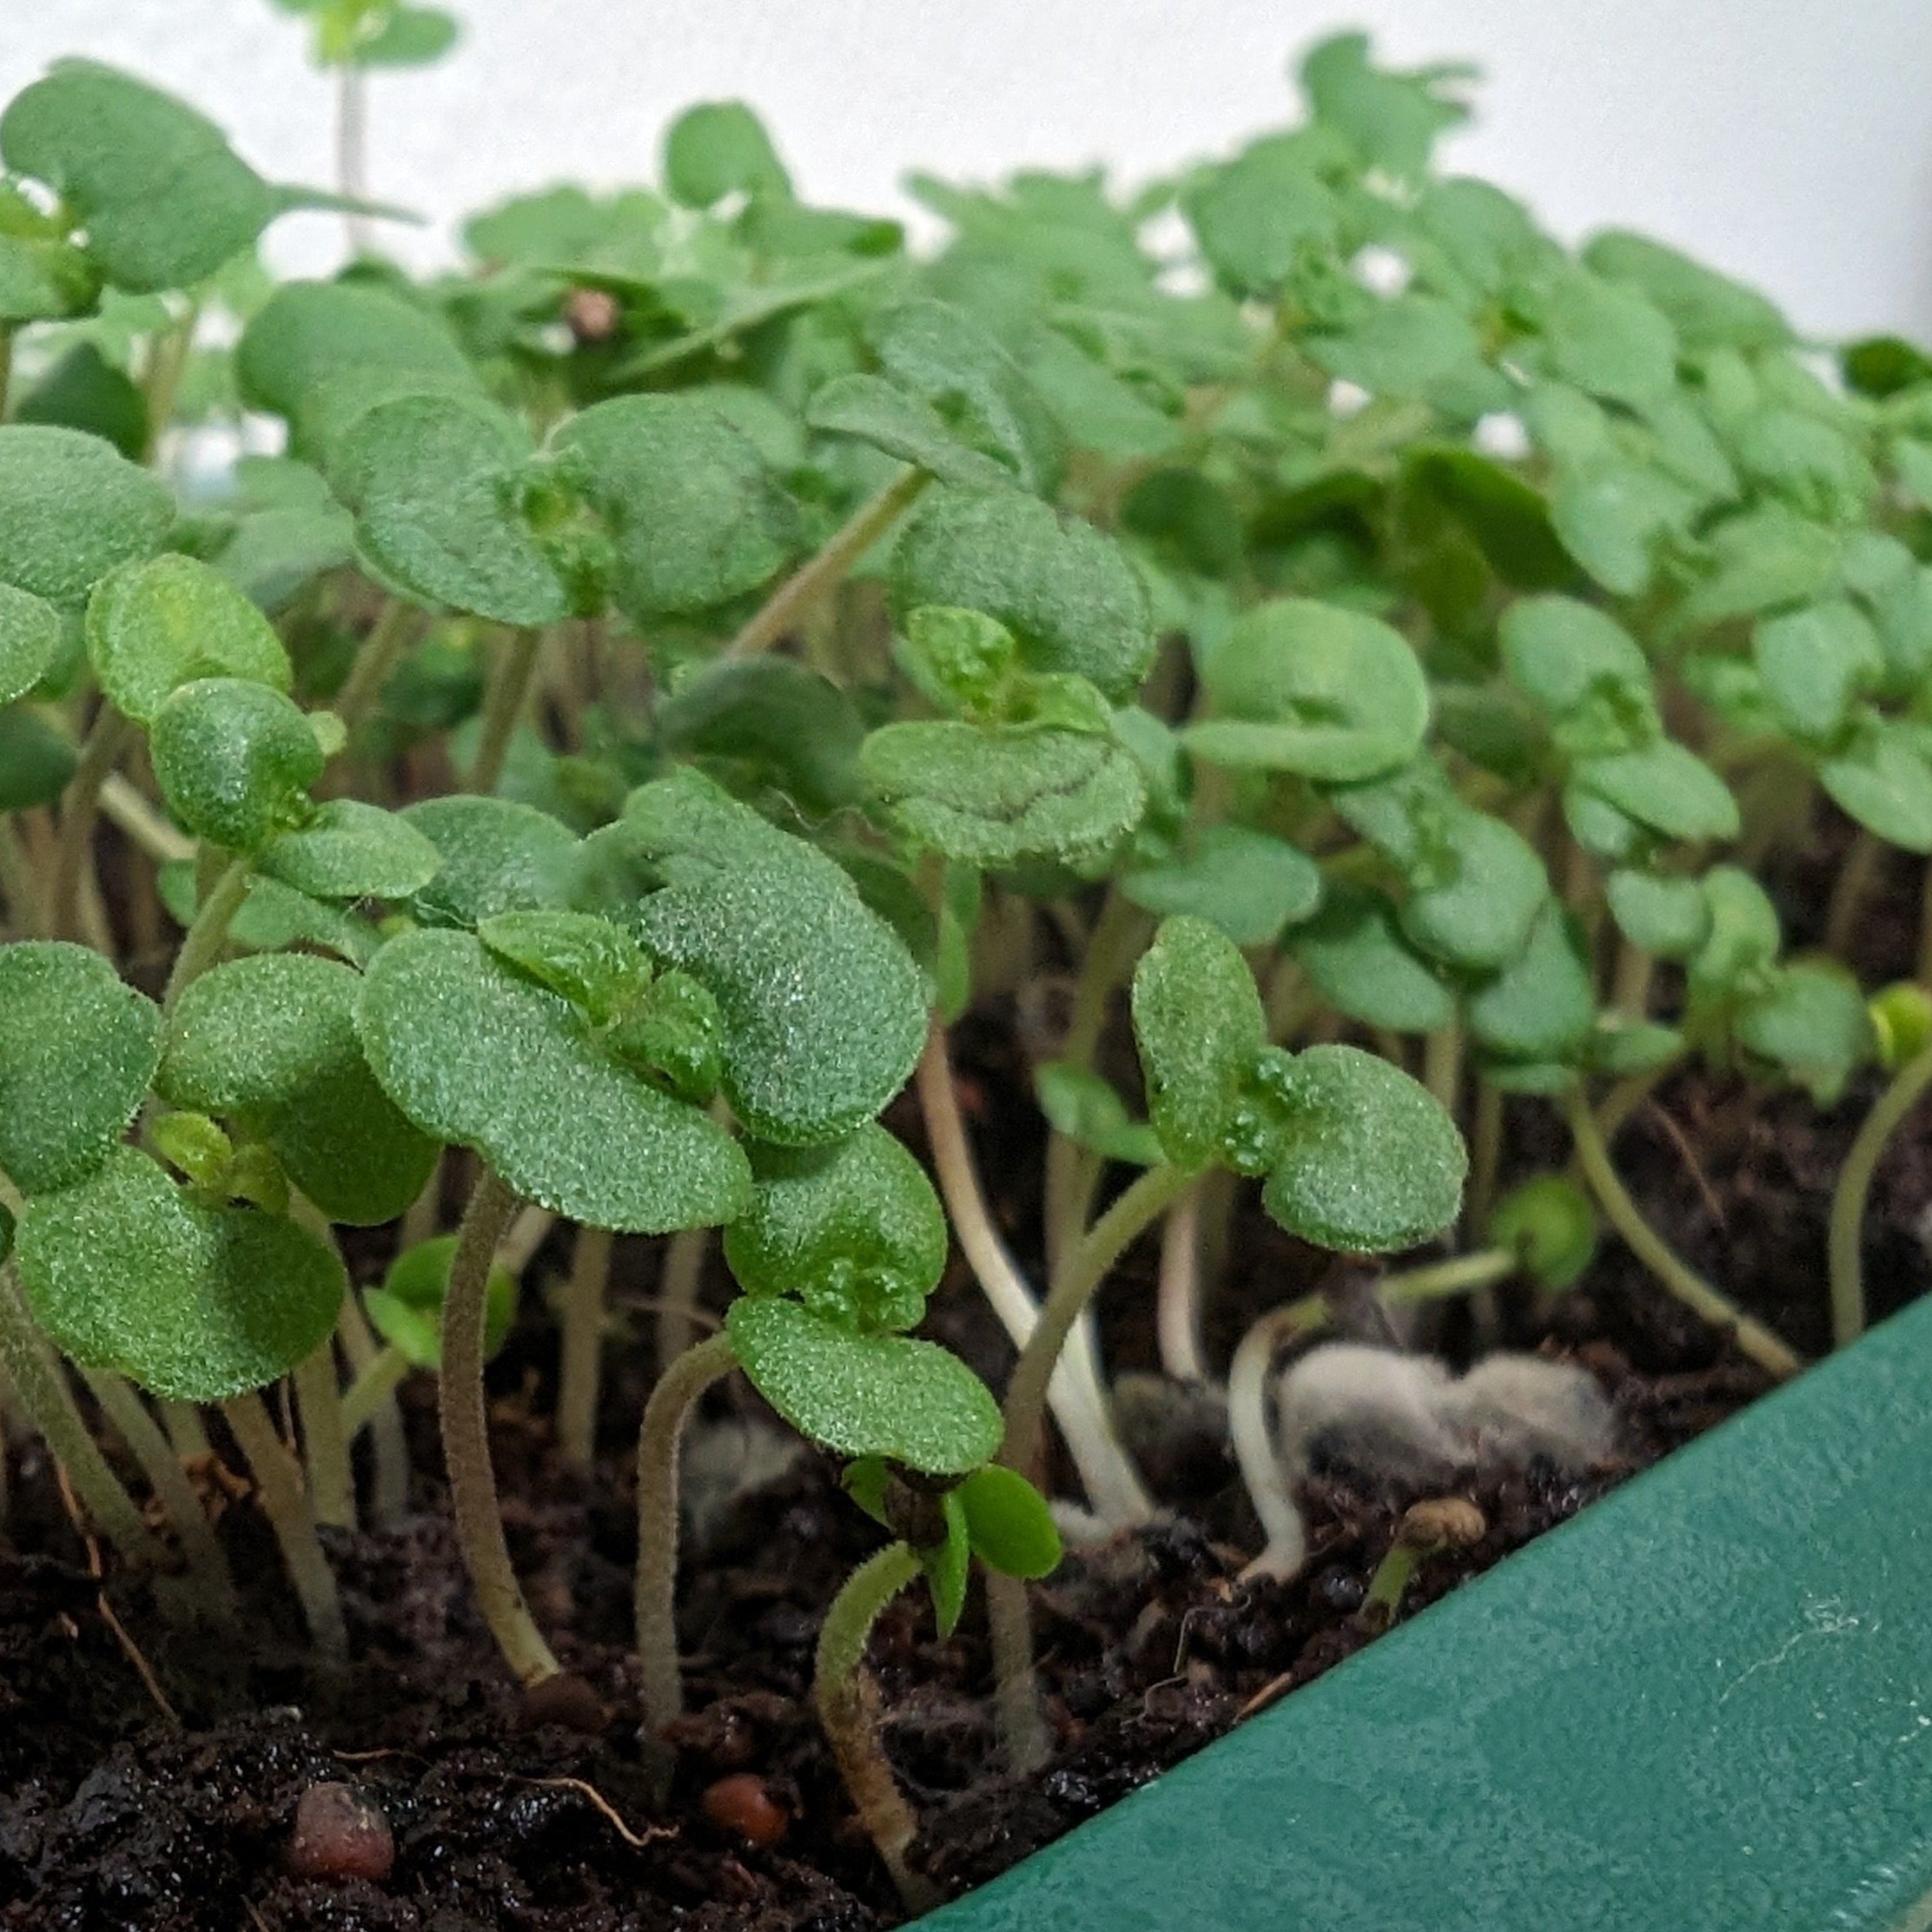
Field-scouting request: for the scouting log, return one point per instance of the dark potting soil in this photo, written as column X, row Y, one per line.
column 115, row 1812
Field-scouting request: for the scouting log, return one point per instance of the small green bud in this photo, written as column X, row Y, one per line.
column 196, row 1146
column 1901, row 1023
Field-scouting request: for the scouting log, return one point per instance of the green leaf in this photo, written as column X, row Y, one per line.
column 78, row 1048
column 85, row 390
column 1314, row 688
column 853, row 1230
column 1541, row 1007
column 1743, row 937
column 695, row 514
column 36, row 761
column 1084, row 1107
column 1667, row 916
column 1760, row 560
column 406, row 1310
column 351, row 851
column 197, row 1303
column 1813, row 662
column 720, row 148
column 413, row 37
column 1613, row 516
column 770, row 720
column 473, row 1053
column 235, row 761
column 44, row 279
column 1552, row 1227
column 1248, row 882
column 874, row 410
column 1884, row 781
column 1260, row 214
column 1368, row 1161
column 1620, row 1047
column 164, row 199
column 950, row 362
column 948, row 1566
column 962, row 661
column 1391, row 119
column 270, row 1043
column 593, row 963
column 1403, row 348
column 1508, row 518
column 1666, row 787
column 1812, row 1020
column 494, row 855
column 823, row 1008
column 1708, row 309
column 1008, row 1523
column 1355, row 952
column 994, row 795
column 155, row 626
column 1563, row 655
column 31, row 641
column 1608, row 340
column 431, row 479
column 72, row 508
column 1064, row 590
column 1199, row 1024
column 864, row 1395
column 675, row 1036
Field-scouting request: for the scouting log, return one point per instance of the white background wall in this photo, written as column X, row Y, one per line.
column 1788, row 141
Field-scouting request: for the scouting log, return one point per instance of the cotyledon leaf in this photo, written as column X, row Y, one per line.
column 72, row 508
column 473, row 1052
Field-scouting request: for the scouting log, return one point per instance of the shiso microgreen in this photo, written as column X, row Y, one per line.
column 689, row 657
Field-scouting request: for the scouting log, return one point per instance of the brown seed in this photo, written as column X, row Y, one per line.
column 565, row 1699
column 1443, row 1522
column 340, row 1834
column 740, row 1804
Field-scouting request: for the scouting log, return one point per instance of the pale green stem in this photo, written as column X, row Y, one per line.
column 822, row 573
column 682, row 1277
column 1651, row 1249
column 352, row 149
column 1854, row 1189
column 132, row 813
column 1857, row 873
column 183, row 1422
column 502, row 706
column 166, row 363
column 583, row 1346
column 147, row 1442
column 1178, row 1300
column 1486, row 1158
column 1284, row 1535
column 80, row 803
column 1630, row 987
column 425, row 1213
column 326, row 1437
column 285, row 1503
column 1442, row 1067
column 26, row 915
column 389, row 1494
column 49, row 1406
column 847, row 1701
column 375, row 659
column 1460, row 1274
column 467, row 1435
column 678, row 1392
column 210, row 932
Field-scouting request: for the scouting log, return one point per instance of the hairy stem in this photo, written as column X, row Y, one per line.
column 1023, row 1723
column 1854, row 1189
column 502, row 706
column 1178, row 1303
column 1651, row 1249
column 678, row 1390
column 1080, row 1408
column 813, row 579
column 100, row 752
column 1442, row 1054
column 285, row 1502
column 147, row 1442
column 210, row 932
column 848, row 1700
column 583, row 1346
column 49, row 1406
column 466, row 1432
column 326, row 1437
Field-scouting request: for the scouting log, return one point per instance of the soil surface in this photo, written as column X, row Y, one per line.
column 152, row 1782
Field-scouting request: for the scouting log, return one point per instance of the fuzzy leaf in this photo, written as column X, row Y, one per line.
column 31, row 641
column 1666, row 787
column 1064, row 590
column 1355, row 952
column 1664, row 915
column 823, row 1008
column 71, row 509
column 1256, row 217
column 1310, row 688
column 412, row 37
column 431, row 479
column 864, row 1395
column 1199, row 1024
column 1708, row 309
column 1608, row 340
column 1368, row 1161
column 1813, row 662
column 475, row 1053
column 270, row 1043
column 768, row 719
column 872, row 410
column 1008, row 1523
column 495, row 856
column 1541, row 1007
column 1884, row 781
column 351, row 851
column 156, row 626
column 1562, row 654
column 1744, row 937
column 36, row 761
column 1812, row 1020
column 164, row 199
column 591, row 962
column 235, row 761
column 992, row 796
column 853, row 1230
column 127, row 1271
column 1248, row 882
column 78, row 1048
column 695, row 514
